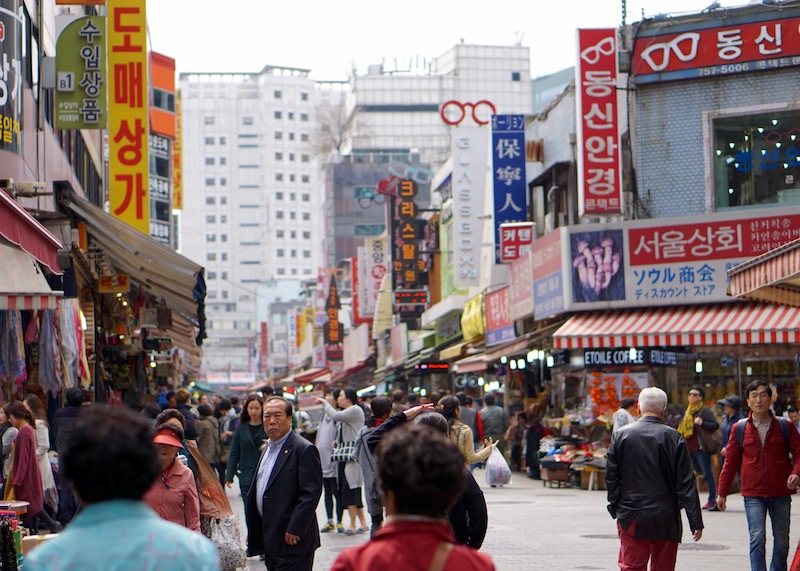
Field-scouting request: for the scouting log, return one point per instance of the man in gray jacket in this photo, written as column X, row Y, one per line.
column 495, row 422
column 381, row 410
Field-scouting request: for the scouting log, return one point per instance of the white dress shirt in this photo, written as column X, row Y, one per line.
column 268, row 461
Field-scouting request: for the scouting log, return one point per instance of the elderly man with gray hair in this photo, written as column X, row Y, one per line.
column 649, row 478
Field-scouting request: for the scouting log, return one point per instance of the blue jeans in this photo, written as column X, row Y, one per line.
column 779, row 509
column 702, row 462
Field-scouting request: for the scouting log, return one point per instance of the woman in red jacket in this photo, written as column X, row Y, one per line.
column 25, row 476
column 173, row 496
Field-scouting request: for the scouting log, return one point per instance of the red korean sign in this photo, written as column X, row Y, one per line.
column 520, row 288
column 516, row 239
column 706, row 52
column 128, row 128
column 723, row 240
column 499, row 326
column 599, row 156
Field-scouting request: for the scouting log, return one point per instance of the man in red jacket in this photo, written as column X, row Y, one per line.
column 768, row 476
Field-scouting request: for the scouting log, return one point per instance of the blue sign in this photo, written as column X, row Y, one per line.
column 508, row 173
column 498, row 336
column 548, row 296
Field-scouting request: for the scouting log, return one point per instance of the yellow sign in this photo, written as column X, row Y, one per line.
column 177, row 157
column 472, row 323
column 120, row 283
column 128, row 127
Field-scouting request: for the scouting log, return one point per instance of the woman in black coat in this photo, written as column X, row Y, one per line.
column 248, row 440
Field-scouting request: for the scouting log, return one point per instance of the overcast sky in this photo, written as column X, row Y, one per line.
column 330, row 38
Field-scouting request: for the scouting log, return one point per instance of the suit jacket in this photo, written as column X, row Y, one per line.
column 290, row 502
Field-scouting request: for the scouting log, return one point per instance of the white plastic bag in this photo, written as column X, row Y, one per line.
column 224, row 534
column 497, row 471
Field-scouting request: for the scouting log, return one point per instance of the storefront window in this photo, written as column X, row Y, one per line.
column 757, row 159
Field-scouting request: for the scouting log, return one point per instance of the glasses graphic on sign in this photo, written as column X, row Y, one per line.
column 684, row 47
column 454, row 112
column 604, row 47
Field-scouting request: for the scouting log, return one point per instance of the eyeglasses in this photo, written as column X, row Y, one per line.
column 695, row 395
column 759, row 395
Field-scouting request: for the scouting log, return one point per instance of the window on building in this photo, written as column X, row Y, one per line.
column 212, row 294
column 209, row 161
column 277, row 114
column 279, row 233
column 291, row 156
column 278, row 135
column 515, row 76
column 305, row 197
column 292, row 196
column 223, row 161
column 291, row 177
column 304, row 158
column 304, row 137
column 211, row 256
column 293, row 253
column 756, row 159
column 279, row 214
column 211, row 237
column 223, row 181
column 293, row 215
column 279, row 176
column 279, row 195
column 211, row 200
column 291, row 136
column 278, row 156
column 210, row 219
column 306, row 253
column 306, row 235
column 306, row 271
column 278, row 94
column 306, row 216
column 208, row 120
column 303, row 96
column 222, row 140
column 247, row 120
column 209, row 140
column 211, row 275
column 210, row 181
column 304, row 116
column 223, row 237
column 279, row 252
column 224, row 275
column 223, row 200
column 163, row 99
column 294, row 271
column 305, row 178
column 224, row 256
column 291, row 115
column 292, row 234
column 224, row 294
column 223, row 218
column 281, row 271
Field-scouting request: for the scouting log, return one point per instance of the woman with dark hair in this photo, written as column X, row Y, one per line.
column 461, row 433
column 173, row 496
column 42, row 430
column 175, row 417
column 349, row 475
column 248, row 440
column 26, row 479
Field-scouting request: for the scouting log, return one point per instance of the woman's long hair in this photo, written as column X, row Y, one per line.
column 37, row 408
column 244, row 418
column 449, row 406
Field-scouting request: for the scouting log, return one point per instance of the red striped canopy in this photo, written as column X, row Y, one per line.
column 698, row 325
column 22, row 302
column 773, row 276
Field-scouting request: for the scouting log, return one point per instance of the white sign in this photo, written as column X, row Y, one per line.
column 375, row 267
column 470, row 160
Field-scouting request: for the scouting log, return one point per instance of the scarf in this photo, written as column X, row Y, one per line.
column 686, row 427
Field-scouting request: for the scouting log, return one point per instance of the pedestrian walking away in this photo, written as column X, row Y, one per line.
column 769, row 473
column 281, row 514
column 649, row 478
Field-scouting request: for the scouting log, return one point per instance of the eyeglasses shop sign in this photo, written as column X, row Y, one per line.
column 622, row 357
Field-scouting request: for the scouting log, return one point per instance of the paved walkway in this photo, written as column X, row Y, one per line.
column 532, row 526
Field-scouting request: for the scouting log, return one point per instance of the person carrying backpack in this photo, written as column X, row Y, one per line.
column 757, row 448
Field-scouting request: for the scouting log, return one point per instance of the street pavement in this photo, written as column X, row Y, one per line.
column 534, row 526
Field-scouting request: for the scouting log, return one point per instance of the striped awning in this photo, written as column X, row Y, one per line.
column 773, row 276
column 22, row 283
column 700, row 325
column 23, row 302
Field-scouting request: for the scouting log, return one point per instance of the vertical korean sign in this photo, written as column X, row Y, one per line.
column 128, row 163
column 177, row 157
column 376, row 265
column 508, row 173
column 332, row 330
column 599, row 156
column 11, row 35
column 469, row 186
column 81, row 73
column 499, row 325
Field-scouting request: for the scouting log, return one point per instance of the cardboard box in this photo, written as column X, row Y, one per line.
column 556, row 474
column 31, row 542
column 600, row 479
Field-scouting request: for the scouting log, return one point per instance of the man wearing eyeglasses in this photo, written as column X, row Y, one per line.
column 768, row 474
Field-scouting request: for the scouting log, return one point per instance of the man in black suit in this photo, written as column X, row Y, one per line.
column 282, row 502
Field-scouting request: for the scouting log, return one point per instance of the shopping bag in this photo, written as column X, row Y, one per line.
column 497, row 471
column 225, row 535
column 164, row 315
column 343, row 451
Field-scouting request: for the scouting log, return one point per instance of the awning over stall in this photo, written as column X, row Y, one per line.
column 22, row 284
column 695, row 325
column 773, row 277
column 161, row 271
column 22, row 229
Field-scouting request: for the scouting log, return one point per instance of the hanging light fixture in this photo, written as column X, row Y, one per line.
column 698, row 366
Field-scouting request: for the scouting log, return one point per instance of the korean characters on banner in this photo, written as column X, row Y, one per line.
column 375, row 267
column 516, row 239
column 666, row 261
column 177, row 158
column 470, row 152
column 81, row 73
column 599, row 156
column 11, row 77
column 699, row 51
column 499, row 325
column 409, row 267
column 332, row 330
column 548, row 274
column 160, row 189
column 128, row 128
column 508, row 175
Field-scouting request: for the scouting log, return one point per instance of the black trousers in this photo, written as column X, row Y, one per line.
column 290, row 563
